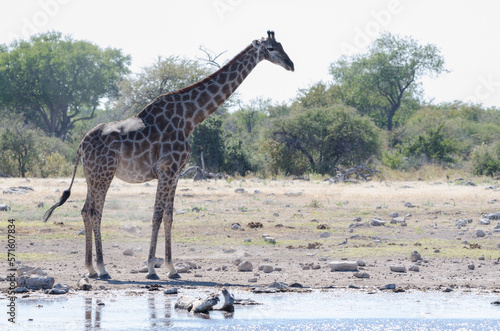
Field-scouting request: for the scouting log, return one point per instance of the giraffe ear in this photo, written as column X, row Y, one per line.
column 256, row 43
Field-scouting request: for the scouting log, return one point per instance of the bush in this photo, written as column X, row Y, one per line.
column 322, row 138
column 486, row 160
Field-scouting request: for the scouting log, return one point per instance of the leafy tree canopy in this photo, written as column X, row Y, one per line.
column 57, row 81
column 377, row 83
column 325, row 138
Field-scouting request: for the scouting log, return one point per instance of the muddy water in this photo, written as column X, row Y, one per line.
column 333, row 310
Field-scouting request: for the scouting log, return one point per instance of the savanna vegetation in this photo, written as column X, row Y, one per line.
column 53, row 89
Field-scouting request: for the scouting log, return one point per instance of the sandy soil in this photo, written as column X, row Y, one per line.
column 206, row 238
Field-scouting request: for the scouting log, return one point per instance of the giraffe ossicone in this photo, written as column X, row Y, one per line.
column 154, row 145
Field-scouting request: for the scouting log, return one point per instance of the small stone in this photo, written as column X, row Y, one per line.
column 471, row 266
column 480, row 233
column 278, row 285
column 128, row 252
column 414, row 267
column 270, row 240
column 267, row 269
column 484, row 221
column 344, row 266
column 4, row 208
column 240, row 190
column 325, row 235
column 182, row 268
column 58, row 289
column 415, row 256
column 132, row 228
column 361, row 275
column 293, row 193
column 245, row 266
column 398, row 268
column 172, row 290
column 36, row 283
column 388, row 287
column 377, row 222
column 252, row 280
column 21, row 289
column 84, row 284
column 235, row 226
column 437, row 251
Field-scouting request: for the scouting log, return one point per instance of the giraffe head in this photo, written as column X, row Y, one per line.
column 272, row 50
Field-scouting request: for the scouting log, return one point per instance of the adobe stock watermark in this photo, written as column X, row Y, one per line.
column 222, row 7
column 34, row 24
column 363, row 37
column 485, row 89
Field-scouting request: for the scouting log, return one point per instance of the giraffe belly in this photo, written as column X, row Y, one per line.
column 134, row 173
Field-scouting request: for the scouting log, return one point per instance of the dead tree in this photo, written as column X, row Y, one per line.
column 361, row 171
column 201, row 174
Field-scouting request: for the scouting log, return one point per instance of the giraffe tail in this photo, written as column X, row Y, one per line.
column 65, row 194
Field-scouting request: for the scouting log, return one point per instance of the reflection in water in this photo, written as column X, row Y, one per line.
column 159, row 312
column 92, row 305
column 167, row 306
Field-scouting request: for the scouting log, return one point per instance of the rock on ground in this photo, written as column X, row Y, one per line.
column 344, row 266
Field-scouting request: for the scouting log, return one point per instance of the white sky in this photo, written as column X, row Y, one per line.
column 314, row 33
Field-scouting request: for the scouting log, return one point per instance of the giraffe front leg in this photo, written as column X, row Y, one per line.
column 103, row 274
column 88, row 243
column 152, row 248
column 172, row 273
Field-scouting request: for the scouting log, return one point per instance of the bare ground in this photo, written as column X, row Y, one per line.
column 289, row 211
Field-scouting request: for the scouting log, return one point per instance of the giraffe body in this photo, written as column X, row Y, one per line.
column 154, row 145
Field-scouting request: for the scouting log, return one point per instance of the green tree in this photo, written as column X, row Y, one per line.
column 209, row 139
column 325, row 137
column 166, row 74
column 53, row 79
column 434, row 145
column 379, row 82
column 18, row 143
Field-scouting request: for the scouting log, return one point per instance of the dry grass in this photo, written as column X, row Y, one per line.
column 205, row 212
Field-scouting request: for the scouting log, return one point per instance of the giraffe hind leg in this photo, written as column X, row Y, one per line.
column 92, row 213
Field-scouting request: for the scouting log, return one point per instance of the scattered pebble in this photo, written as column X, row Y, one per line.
column 245, row 266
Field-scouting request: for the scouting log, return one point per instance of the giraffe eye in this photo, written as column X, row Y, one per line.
column 270, row 48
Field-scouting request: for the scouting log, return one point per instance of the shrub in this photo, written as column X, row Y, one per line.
column 486, row 160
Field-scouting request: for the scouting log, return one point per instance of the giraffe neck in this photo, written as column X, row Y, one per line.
column 209, row 94
column 193, row 104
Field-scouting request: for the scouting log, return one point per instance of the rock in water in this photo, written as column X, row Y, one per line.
column 196, row 304
column 228, row 301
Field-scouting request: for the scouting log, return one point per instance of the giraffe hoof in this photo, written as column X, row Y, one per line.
column 105, row 276
column 92, row 275
column 153, row 276
column 173, row 276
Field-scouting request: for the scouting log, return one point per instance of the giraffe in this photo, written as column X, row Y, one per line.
column 154, row 145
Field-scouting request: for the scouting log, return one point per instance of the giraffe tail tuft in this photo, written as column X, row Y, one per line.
column 64, row 197
column 65, row 194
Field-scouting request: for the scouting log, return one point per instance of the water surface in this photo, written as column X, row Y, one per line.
column 332, row 310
